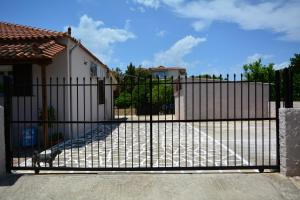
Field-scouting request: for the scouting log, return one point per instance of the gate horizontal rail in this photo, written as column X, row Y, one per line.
column 274, row 167
column 147, row 121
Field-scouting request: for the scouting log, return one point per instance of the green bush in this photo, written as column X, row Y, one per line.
column 140, row 95
column 123, row 100
column 162, row 93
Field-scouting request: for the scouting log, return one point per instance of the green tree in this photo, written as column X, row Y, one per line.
column 123, row 100
column 118, row 74
column 295, row 68
column 141, row 94
column 295, row 63
column 135, row 89
column 129, row 78
column 143, row 73
column 259, row 72
column 162, row 96
column 132, row 84
column 130, row 71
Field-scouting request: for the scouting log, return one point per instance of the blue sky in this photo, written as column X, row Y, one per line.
column 205, row 36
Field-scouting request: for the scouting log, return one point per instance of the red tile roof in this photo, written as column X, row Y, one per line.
column 25, row 42
column 10, row 31
column 17, row 41
column 47, row 50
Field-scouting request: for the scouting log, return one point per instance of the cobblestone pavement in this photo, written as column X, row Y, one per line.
column 174, row 145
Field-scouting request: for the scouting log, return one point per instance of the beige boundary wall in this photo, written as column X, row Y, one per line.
column 221, row 100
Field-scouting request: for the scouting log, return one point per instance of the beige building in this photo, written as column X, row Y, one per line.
column 34, row 56
column 210, row 99
column 168, row 72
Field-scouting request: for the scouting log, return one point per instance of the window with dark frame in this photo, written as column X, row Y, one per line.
column 22, row 78
column 5, row 71
column 101, row 92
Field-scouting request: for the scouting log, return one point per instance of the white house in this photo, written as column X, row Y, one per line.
column 33, row 56
column 168, row 72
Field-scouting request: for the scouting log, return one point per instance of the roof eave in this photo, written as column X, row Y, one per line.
column 39, row 61
column 88, row 51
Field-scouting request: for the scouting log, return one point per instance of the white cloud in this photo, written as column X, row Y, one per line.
column 127, row 24
column 264, row 57
column 100, row 39
column 140, row 9
column 132, row 9
column 149, row 3
column 85, row 1
column 282, row 65
column 277, row 16
column 176, row 53
column 257, row 56
column 200, row 25
column 161, row 33
column 157, row 3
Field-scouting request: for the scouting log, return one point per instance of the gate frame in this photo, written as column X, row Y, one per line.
column 288, row 102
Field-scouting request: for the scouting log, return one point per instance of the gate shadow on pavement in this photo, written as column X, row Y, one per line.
column 101, row 132
column 9, row 180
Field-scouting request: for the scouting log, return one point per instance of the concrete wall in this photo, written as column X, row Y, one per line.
column 221, row 100
column 289, row 133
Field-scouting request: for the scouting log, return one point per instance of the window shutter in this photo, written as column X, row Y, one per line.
column 101, row 92
column 22, row 76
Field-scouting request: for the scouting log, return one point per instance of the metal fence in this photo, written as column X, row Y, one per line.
column 145, row 123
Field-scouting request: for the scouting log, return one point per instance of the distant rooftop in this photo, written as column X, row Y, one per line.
column 163, row 68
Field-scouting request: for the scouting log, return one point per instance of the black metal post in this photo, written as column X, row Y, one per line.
column 7, row 118
column 288, row 85
column 151, row 136
column 277, row 93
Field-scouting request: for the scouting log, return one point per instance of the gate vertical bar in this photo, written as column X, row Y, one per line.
column 151, row 132
column 7, row 118
column 288, row 95
column 277, row 93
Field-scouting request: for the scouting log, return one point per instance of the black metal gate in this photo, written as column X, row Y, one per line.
column 145, row 123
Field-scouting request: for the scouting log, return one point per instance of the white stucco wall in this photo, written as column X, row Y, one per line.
column 221, row 101
column 88, row 108
column 28, row 108
column 168, row 73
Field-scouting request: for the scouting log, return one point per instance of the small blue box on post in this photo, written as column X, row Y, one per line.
column 29, row 137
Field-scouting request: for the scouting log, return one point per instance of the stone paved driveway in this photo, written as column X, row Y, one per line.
column 174, row 144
